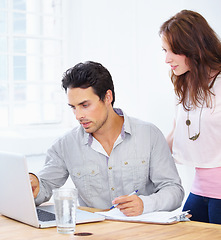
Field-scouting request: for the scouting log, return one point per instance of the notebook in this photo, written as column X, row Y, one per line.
column 17, row 202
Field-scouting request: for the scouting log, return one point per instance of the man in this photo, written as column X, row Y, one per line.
column 109, row 155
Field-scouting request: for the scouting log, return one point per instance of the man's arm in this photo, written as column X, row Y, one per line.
column 169, row 192
column 34, row 184
column 129, row 205
column 53, row 175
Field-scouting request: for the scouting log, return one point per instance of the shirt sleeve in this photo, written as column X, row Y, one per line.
column 169, row 192
column 53, row 175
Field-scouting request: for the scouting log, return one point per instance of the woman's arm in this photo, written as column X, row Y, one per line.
column 170, row 136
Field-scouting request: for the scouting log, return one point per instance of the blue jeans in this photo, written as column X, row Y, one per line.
column 203, row 209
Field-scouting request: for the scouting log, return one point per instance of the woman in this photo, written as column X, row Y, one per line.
column 193, row 51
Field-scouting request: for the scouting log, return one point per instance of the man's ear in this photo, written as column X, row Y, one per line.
column 109, row 96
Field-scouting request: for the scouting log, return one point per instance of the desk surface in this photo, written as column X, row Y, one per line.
column 114, row 230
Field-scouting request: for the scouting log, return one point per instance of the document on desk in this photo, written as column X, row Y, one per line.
column 162, row 217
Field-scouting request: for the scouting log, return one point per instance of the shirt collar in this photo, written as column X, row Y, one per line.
column 88, row 138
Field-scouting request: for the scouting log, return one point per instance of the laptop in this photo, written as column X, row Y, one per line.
column 17, row 201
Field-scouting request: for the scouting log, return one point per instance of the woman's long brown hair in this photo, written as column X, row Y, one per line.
column 189, row 34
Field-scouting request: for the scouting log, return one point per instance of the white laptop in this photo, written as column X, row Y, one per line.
column 17, row 202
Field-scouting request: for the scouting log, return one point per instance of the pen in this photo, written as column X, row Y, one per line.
column 134, row 192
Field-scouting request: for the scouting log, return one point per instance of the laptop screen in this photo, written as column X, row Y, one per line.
column 17, row 200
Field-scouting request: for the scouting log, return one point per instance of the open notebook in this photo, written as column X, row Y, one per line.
column 17, row 200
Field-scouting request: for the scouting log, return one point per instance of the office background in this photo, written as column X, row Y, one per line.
column 123, row 36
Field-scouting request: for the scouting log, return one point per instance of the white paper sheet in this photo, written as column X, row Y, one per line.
column 154, row 217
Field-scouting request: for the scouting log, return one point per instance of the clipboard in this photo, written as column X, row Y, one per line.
column 161, row 217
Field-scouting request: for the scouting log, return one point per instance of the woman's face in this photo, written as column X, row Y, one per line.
column 178, row 63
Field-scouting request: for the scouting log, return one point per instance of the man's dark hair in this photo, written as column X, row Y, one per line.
column 89, row 74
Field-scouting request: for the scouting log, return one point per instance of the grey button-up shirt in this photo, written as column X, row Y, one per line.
column 140, row 160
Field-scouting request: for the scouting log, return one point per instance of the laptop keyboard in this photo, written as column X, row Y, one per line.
column 45, row 216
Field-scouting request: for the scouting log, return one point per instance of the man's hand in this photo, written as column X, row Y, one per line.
column 34, row 184
column 129, row 205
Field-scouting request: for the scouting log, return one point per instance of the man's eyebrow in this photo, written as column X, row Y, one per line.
column 70, row 105
column 81, row 103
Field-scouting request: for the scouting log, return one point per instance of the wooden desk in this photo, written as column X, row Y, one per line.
column 113, row 230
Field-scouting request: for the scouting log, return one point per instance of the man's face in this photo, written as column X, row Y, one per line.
column 89, row 110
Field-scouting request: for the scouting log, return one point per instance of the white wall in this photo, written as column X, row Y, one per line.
column 123, row 36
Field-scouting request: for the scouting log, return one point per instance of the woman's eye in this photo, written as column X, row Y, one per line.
column 164, row 50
